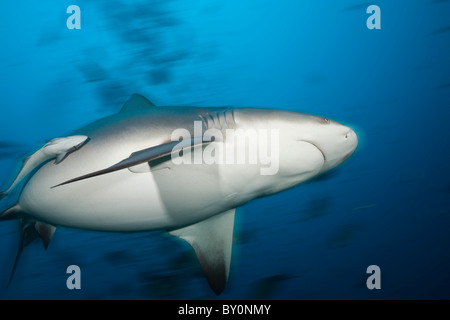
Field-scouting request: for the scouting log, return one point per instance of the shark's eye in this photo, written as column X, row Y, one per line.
column 326, row 120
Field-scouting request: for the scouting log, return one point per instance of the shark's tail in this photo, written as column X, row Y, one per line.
column 30, row 228
column 27, row 236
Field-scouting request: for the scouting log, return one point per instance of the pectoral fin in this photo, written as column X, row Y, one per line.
column 211, row 240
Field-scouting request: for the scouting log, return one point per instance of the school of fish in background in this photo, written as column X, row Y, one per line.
column 388, row 206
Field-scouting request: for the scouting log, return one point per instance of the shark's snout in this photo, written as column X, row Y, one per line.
column 337, row 144
column 352, row 140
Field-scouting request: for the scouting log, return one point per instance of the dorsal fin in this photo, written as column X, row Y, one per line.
column 212, row 239
column 136, row 101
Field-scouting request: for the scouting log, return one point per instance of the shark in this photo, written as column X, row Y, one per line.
column 126, row 178
column 57, row 148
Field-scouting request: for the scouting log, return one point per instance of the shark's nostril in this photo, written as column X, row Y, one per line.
column 350, row 134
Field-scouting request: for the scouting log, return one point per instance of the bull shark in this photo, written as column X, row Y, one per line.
column 126, row 180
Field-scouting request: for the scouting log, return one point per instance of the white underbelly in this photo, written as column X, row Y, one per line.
column 126, row 201
column 119, row 201
column 169, row 196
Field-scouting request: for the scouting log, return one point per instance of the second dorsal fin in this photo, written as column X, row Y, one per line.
column 136, row 101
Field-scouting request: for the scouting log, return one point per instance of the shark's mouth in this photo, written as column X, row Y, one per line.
column 347, row 156
column 315, row 145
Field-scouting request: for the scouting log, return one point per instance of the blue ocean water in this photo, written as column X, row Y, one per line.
column 388, row 205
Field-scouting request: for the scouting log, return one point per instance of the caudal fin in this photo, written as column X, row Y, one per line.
column 28, row 235
column 30, row 231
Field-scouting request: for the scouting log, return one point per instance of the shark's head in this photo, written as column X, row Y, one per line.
column 305, row 146
column 335, row 141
